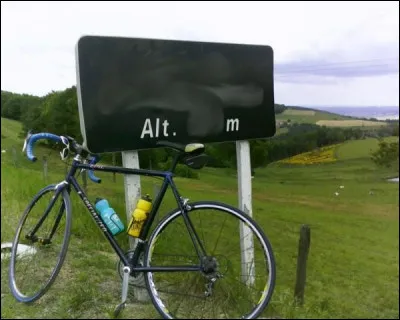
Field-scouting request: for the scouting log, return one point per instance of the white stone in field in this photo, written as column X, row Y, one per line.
column 23, row 250
column 3, row 151
column 341, row 187
column 336, row 193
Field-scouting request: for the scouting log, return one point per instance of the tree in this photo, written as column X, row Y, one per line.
column 258, row 153
column 12, row 108
column 387, row 155
column 395, row 130
column 279, row 108
column 13, row 105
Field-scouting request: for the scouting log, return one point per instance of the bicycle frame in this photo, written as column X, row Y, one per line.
column 168, row 182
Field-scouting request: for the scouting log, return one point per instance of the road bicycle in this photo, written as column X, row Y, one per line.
column 177, row 248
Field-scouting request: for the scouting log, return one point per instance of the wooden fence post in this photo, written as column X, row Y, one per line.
column 14, row 156
column 304, row 248
column 45, row 168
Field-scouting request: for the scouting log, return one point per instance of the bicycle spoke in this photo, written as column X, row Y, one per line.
column 219, row 236
column 219, row 289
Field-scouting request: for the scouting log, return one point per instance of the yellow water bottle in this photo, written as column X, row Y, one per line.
column 139, row 216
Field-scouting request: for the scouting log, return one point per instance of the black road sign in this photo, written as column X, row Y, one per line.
column 133, row 92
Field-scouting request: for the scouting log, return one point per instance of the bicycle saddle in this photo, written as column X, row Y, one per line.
column 191, row 148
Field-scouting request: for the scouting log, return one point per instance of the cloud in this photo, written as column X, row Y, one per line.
column 349, row 69
column 319, row 44
column 305, row 78
column 362, row 91
column 373, row 60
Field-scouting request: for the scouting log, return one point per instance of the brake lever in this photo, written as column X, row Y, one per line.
column 28, row 136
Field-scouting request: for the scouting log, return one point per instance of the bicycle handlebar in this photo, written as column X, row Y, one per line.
column 31, row 139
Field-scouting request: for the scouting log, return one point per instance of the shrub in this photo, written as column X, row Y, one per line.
column 180, row 170
column 320, row 155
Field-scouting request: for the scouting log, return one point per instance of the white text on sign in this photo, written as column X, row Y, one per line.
column 148, row 129
column 232, row 125
column 152, row 129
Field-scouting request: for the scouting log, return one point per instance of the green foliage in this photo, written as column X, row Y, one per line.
column 60, row 113
column 279, row 108
column 12, row 108
column 57, row 112
column 151, row 159
column 180, row 170
column 387, row 155
column 223, row 155
column 395, row 129
column 14, row 105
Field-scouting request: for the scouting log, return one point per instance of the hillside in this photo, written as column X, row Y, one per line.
column 354, row 236
column 303, row 115
column 323, row 118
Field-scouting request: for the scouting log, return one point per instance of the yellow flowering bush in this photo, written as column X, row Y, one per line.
column 321, row 155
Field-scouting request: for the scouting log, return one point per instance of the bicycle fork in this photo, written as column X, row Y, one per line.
column 31, row 235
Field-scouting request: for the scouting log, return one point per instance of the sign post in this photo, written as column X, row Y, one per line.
column 130, row 159
column 245, row 204
column 134, row 92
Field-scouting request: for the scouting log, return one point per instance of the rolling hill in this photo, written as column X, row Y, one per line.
column 323, row 118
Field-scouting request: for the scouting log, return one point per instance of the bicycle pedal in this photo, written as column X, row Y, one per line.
column 44, row 241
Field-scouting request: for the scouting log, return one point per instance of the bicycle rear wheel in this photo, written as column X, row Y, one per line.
column 236, row 277
column 40, row 244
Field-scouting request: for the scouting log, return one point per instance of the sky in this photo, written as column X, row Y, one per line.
column 325, row 53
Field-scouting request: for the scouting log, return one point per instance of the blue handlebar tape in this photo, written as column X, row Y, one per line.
column 35, row 137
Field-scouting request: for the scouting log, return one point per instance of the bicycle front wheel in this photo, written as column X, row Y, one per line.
column 235, row 277
column 40, row 244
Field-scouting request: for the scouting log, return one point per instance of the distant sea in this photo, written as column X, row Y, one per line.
column 380, row 113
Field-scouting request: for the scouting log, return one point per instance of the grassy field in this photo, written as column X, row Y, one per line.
column 308, row 116
column 350, row 123
column 353, row 266
column 352, row 149
column 360, row 149
column 296, row 112
column 324, row 118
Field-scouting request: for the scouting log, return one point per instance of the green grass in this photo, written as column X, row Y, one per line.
column 353, row 265
column 361, row 148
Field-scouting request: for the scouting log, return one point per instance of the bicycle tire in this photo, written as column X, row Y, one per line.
column 163, row 224
column 61, row 257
